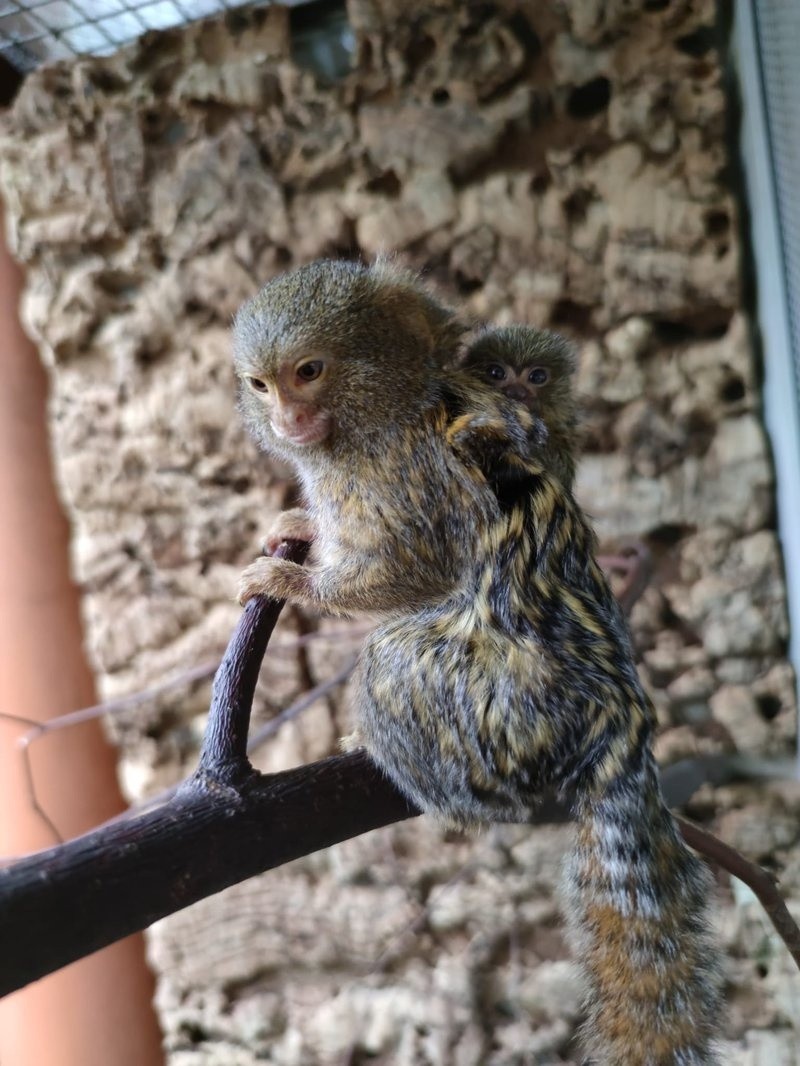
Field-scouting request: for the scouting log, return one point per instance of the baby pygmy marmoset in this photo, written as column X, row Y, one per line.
column 504, row 667
column 533, row 367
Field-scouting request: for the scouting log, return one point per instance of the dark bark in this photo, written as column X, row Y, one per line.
column 61, row 904
column 225, row 824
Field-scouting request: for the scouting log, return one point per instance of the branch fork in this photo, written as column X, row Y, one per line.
column 228, row 822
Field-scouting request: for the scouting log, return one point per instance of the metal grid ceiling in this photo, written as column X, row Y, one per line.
column 33, row 32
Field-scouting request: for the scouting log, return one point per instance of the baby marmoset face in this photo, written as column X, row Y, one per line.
column 533, row 367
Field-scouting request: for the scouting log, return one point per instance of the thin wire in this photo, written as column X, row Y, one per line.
column 186, row 15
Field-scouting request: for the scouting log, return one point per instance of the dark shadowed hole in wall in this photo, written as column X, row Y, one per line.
column 588, row 100
column 321, row 39
column 10, row 81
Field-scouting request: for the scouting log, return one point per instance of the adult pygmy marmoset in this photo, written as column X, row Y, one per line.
column 504, row 667
column 340, row 372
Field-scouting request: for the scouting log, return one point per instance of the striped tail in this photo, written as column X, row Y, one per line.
column 637, row 910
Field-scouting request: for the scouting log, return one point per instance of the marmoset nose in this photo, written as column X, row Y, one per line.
column 516, row 392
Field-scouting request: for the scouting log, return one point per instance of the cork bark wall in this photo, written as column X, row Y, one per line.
column 563, row 163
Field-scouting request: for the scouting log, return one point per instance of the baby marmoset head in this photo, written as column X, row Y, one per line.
column 534, row 367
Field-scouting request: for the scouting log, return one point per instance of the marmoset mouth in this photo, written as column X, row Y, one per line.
column 307, row 433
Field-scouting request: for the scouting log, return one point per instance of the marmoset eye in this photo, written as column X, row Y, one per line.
column 310, row 371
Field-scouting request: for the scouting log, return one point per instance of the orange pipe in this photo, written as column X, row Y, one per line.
column 97, row 1012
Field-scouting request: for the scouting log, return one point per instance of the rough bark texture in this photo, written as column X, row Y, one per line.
column 563, row 163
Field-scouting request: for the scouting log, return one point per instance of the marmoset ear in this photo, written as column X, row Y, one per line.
column 417, row 323
column 436, row 329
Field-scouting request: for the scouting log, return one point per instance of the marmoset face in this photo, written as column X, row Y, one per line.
column 292, row 395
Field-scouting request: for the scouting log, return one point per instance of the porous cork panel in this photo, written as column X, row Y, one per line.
column 562, row 163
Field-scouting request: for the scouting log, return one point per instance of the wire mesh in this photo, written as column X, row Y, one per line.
column 778, row 28
column 33, row 32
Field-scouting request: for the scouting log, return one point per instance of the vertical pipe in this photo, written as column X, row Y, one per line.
column 775, row 246
column 97, row 1012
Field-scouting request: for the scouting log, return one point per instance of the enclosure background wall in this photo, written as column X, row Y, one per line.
column 562, row 163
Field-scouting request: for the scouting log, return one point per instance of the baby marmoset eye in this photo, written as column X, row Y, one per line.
column 495, row 372
column 539, row 376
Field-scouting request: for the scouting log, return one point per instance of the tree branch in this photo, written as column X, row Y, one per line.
column 225, row 823
column 61, row 904
column 763, row 886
